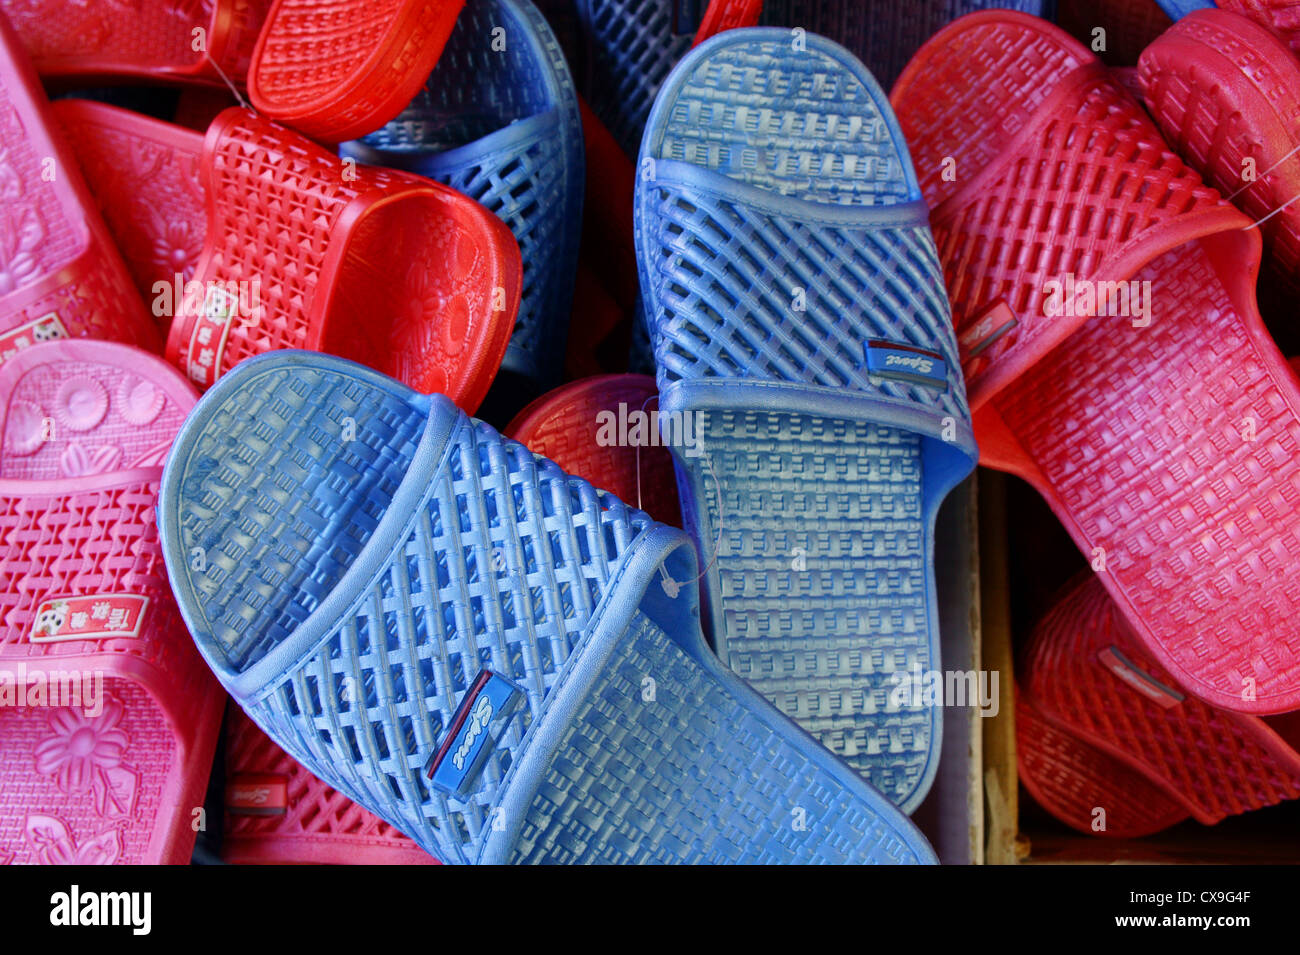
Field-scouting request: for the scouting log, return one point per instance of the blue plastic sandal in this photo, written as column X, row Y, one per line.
column 631, row 45
column 498, row 121
column 800, row 325
column 490, row 654
column 1177, row 9
column 884, row 34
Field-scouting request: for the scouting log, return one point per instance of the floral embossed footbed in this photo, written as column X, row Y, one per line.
column 108, row 718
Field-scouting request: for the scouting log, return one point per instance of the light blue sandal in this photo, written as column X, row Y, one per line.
column 800, row 326
column 498, row 121
column 488, row 653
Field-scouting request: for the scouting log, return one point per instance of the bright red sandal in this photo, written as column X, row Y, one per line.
column 1165, row 435
column 300, row 249
column 1085, row 788
column 1088, row 677
column 339, row 69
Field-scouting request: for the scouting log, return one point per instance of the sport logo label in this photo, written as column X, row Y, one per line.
column 987, row 329
column 257, row 794
column 87, row 618
column 907, row 363
column 916, row 363
column 465, row 749
column 478, row 724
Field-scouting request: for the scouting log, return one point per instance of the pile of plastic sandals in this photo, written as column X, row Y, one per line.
column 456, row 634
column 516, row 431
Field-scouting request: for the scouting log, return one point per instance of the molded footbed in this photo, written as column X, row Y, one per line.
column 109, row 717
column 783, row 248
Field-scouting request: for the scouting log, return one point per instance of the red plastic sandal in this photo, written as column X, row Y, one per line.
column 602, row 429
column 339, row 69
column 1166, row 435
column 1085, row 788
column 144, row 175
column 1282, row 17
column 1090, row 678
column 334, row 69
column 303, row 250
column 157, row 40
column 60, row 276
column 109, row 717
column 1226, row 94
column 279, row 813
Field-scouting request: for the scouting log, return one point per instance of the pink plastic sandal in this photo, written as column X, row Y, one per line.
column 1167, row 443
column 60, row 275
column 109, row 717
column 151, row 41
column 144, row 175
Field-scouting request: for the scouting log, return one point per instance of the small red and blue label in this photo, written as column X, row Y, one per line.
column 907, row 363
column 258, row 794
column 475, row 728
